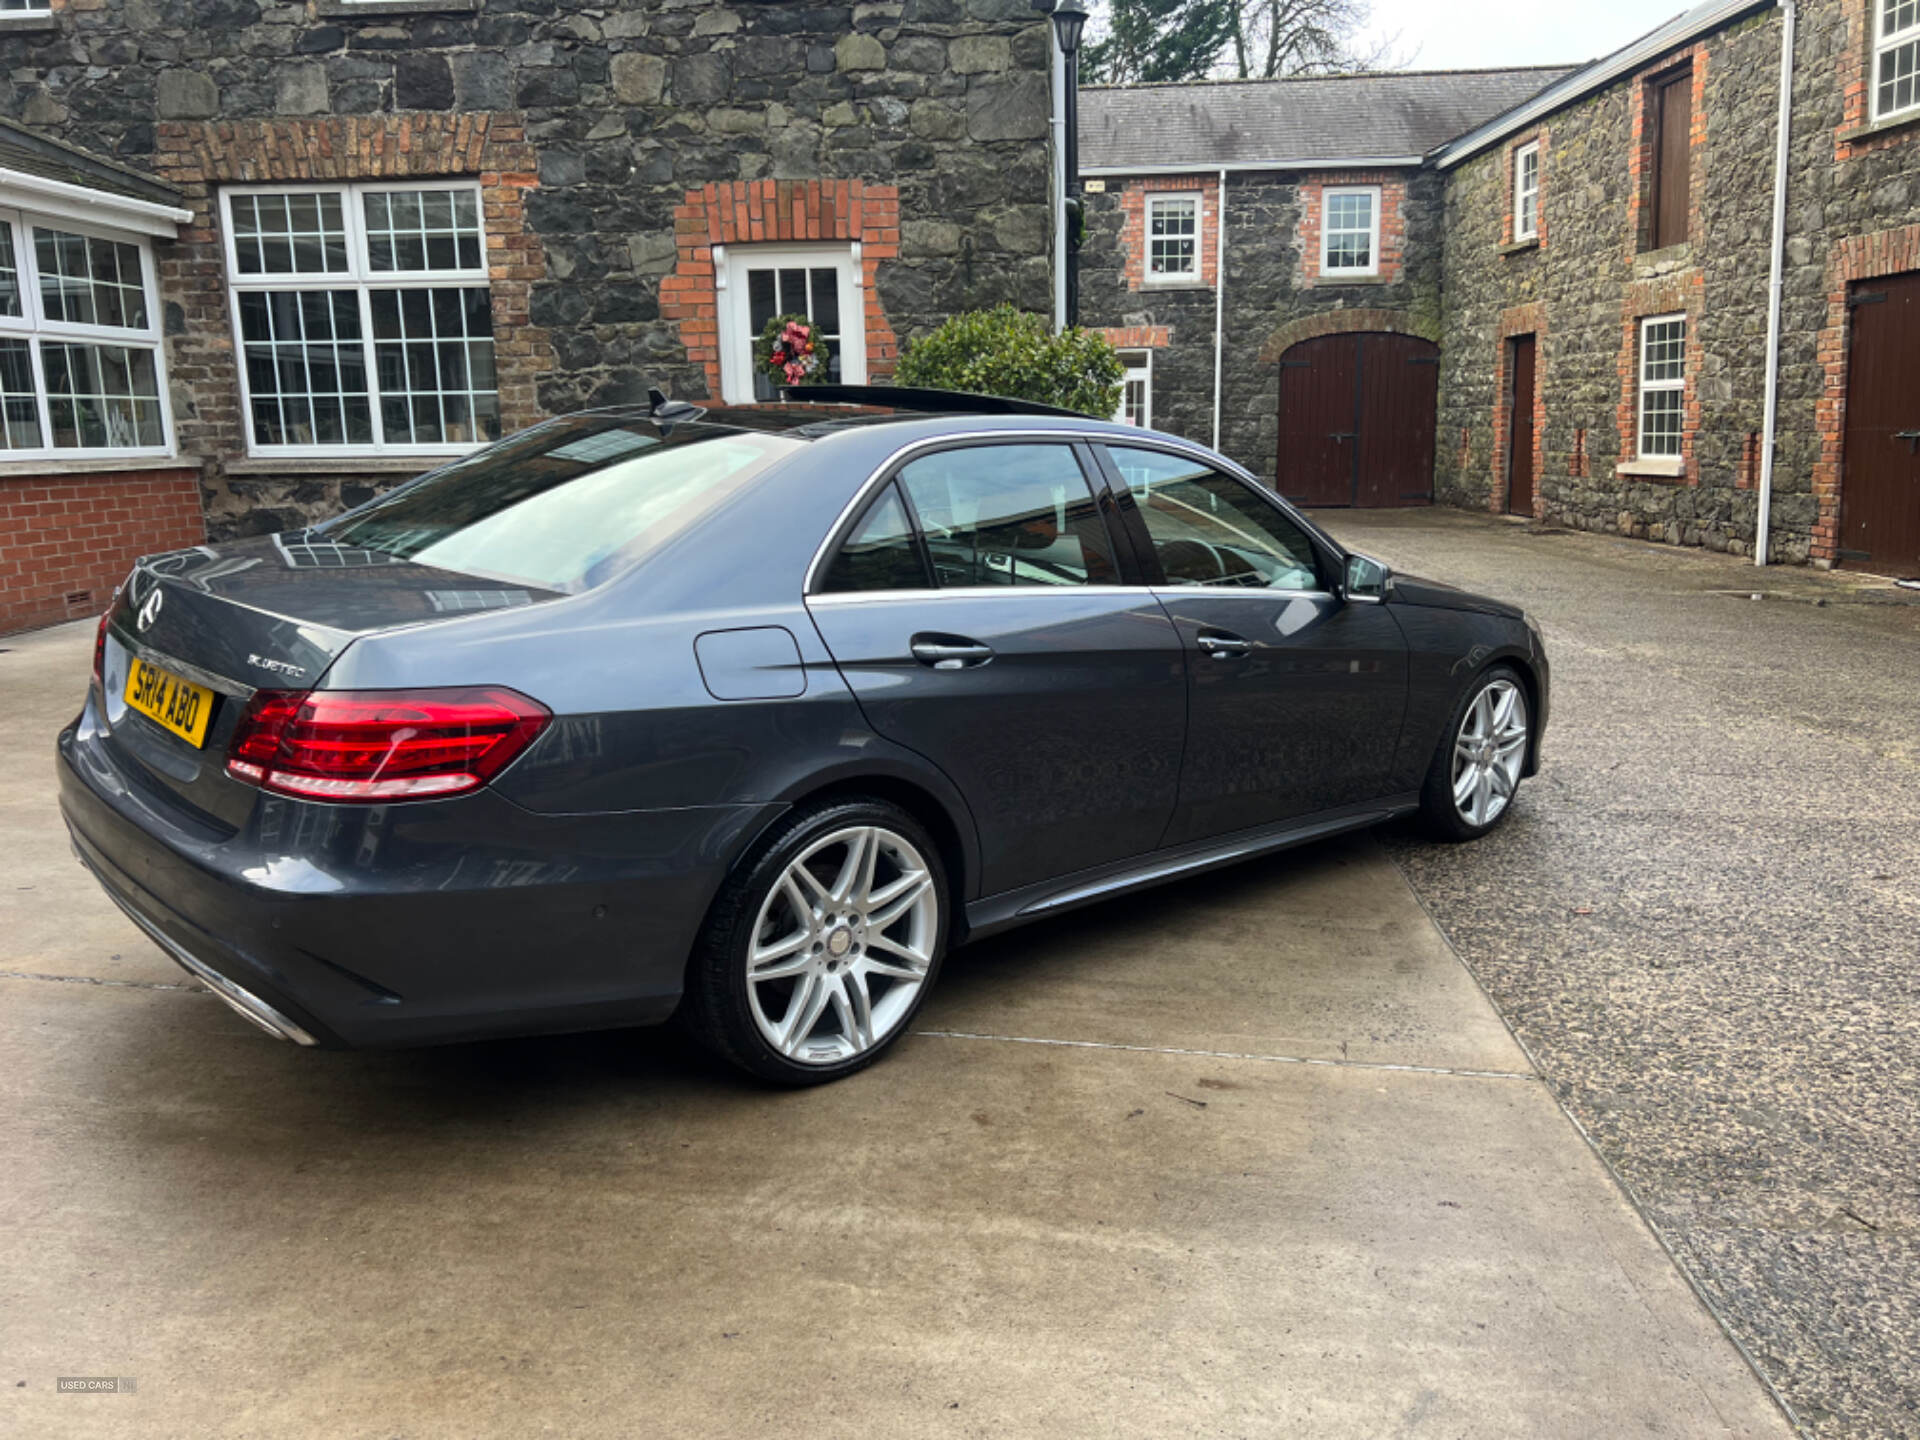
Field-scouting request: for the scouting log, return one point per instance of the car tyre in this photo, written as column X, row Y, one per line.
column 1476, row 770
column 819, row 950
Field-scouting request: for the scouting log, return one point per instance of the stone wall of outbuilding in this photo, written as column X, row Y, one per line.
column 621, row 110
column 1850, row 190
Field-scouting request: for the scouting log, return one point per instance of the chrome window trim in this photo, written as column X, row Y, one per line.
column 1124, row 436
column 977, row 592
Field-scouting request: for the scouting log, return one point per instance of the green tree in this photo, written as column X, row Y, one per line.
column 1007, row 352
column 1139, row 41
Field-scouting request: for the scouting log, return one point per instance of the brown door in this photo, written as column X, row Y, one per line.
column 1880, row 486
column 1520, row 431
column 1673, row 160
column 1357, row 417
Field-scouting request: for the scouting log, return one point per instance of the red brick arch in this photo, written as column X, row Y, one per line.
column 1345, row 322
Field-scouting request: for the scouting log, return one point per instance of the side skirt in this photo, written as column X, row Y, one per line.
column 1069, row 892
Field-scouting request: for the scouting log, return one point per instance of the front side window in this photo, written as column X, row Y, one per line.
column 1173, row 238
column 80, row 367
column 1663, row 385
column 1209, row 529
column 1896, row 57
column 1006, row 515
column 364, row 318
column 1350, row 232
column 1526, row 192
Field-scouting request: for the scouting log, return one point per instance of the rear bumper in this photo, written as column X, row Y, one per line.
column 363, row 926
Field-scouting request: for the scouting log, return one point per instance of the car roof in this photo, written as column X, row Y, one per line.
column 817, row 420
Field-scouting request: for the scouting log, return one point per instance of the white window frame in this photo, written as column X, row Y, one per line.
column 1155, row 200
column 1884, row 43
column 1526, row 196
column 33, row 326
column 1372, row 267
column 360, row 277
column 1643, row 387
column 37, row 7
column 1139, row 365
column 730, row 266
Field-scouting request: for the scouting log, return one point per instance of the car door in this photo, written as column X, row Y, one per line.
column 1295, row 696
column 976, row 610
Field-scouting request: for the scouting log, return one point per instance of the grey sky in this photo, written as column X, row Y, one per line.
column 1464, row 34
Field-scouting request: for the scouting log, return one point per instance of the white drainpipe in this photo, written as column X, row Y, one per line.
column 1219, row 296
column 1059, row 124
column 1769, row 440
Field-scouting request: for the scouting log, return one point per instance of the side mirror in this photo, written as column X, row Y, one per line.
column 1367, row 580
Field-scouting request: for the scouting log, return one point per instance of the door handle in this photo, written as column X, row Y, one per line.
column 1343, row 434
column 950, row 652
column 1912, row 437
column 1225, row 647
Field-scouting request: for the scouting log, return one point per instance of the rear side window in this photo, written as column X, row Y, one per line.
column 1006, row 515
column 881, row 553
column 566, row 505
column 1210, row 529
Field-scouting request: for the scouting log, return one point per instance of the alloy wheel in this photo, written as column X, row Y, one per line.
column 842, row 945
column 1489, row 752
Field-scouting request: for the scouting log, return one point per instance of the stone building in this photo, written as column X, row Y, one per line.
column 1592, row 261
column 359, row 236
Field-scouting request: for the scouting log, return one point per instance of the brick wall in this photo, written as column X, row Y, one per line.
column 67, row 540
column 1390, row 263
column 1133, row 227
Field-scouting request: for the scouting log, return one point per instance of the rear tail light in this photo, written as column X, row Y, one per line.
column 100, row 647
column 369, row 745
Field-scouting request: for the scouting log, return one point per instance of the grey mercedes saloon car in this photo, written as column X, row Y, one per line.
column 747, row 716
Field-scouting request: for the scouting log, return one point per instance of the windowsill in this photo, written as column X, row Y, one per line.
column 1652, row 469
column 9, row 24
column 1906, row 120
column 91, row 465
column 344, row 465
column 374, row 9
column 1180, row 284
column 1665, row 261
column 1520, row 247
column 1342, row 277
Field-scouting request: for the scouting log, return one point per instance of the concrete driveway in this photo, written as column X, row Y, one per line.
column 1248, row 1156
column 1704, row 923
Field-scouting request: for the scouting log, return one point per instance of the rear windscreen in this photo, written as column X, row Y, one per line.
column 566, row 505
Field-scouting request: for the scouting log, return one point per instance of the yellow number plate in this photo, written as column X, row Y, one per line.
column 164, row 698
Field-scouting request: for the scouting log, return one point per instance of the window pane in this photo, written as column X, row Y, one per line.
column 19, row 413
column 297, row 233
column 1173, row 228
column 880, row 554
column 1898, row 15
column 9, row 273
column 433, row 351
column 306, row 368
column 1009, row 515
column 1899, row 78
column 413, row 230
column 103, row 396
column 1660, row 415
column 1664, row 351
column 86, row 281
column 564, row 505
column 1210, row 529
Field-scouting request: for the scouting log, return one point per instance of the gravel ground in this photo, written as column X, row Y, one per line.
column 1704, row 921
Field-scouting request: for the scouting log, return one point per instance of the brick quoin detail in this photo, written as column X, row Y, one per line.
column 751, row 212
column 1393, row 226
column 1519, row 320
column 1681, row 293
column 1137, row 337
column 1133, row 228
column 200, row 156
column 78, row 535
column 1853, row 73
column 1640, row 162
column 1863, row 257
column 1343, row 322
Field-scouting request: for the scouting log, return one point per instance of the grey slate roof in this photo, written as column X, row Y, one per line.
column 32, row 153
column 1340, row 117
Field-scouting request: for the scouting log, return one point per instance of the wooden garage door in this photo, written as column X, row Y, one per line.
column 1880, row 485
column 1357, row 420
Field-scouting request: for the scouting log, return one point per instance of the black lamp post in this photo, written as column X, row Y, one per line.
column 1069, row 20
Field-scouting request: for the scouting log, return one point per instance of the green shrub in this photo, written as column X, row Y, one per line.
column 1004, row 351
